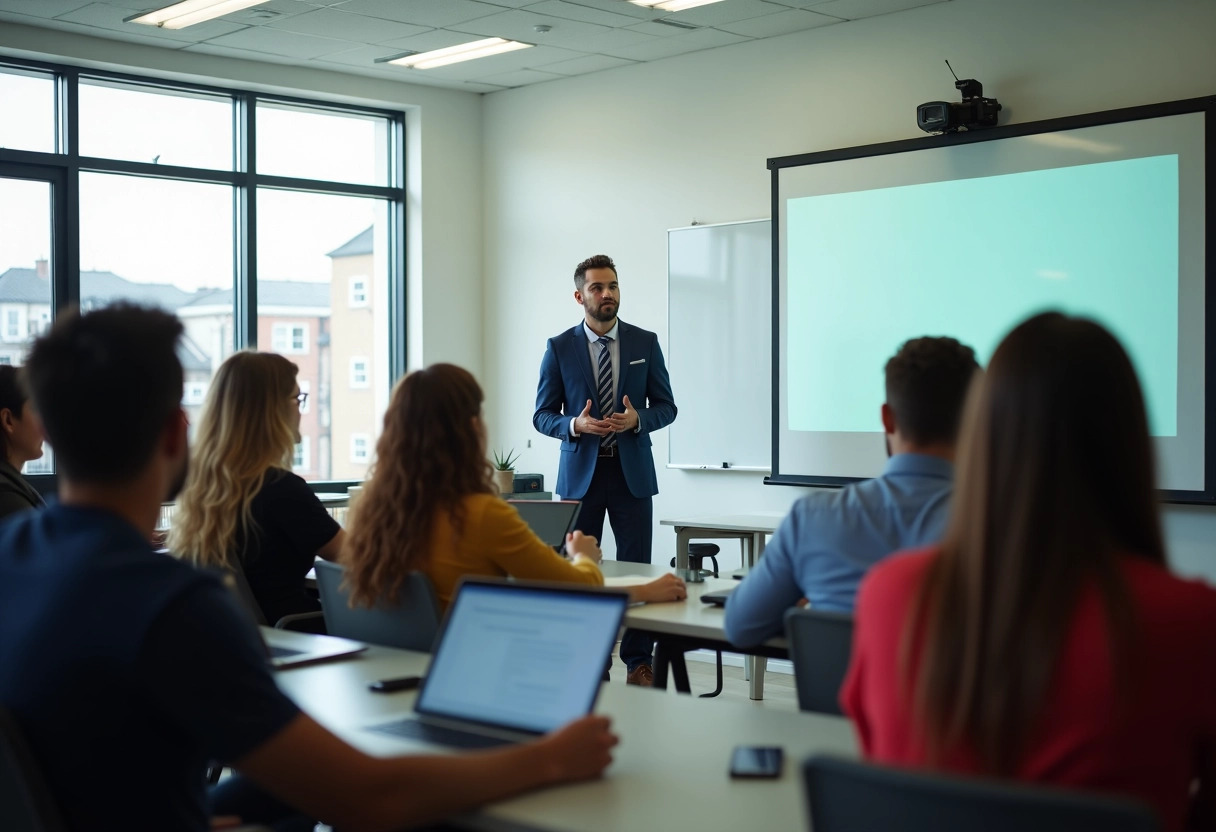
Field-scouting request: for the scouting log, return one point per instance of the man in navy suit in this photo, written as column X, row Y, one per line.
column 603, row 390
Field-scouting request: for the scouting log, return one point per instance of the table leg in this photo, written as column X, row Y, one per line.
column 683, row 538
column 668, row 654
column 756, row 664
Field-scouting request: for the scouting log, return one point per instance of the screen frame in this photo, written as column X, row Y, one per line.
column 1205, row 105
column 607, row 595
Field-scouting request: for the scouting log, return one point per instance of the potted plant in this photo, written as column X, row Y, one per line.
column 504, row 470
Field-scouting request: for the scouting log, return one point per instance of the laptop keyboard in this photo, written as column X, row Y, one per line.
column 281, row 652
column 438, row 734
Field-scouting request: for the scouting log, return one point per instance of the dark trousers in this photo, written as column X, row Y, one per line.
column 632, row 520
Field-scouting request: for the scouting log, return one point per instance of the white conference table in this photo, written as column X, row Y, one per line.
column 688, row 622
column 670, row 770
column 750, row 528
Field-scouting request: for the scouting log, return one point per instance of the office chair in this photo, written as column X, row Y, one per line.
column 849, row 796
column 410, row 624
column 821, row 644
column 25, row 801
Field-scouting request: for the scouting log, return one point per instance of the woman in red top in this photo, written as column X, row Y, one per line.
column 1045, row 640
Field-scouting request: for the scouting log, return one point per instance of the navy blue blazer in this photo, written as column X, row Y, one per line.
column 567, row 381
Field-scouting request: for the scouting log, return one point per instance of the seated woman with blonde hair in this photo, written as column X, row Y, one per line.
column 242, row 507
column 430, row 505
column 1045, row 639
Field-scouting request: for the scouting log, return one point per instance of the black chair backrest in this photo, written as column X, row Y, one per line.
column 25, row 801
column 820, row 646
column 850, row 796
column 411, row 624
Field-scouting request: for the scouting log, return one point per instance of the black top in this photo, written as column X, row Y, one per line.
column 15, row 493
column 291, row 524
column 126, row 671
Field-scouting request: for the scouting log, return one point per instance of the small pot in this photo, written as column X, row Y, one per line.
column 505, row 480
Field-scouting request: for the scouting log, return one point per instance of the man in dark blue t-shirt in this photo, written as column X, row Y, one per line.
column 127, row 671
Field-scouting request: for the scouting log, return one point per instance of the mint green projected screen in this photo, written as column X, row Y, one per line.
column 970, row 258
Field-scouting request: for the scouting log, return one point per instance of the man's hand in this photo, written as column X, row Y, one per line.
column 623, row 421
column 579, row 751
column 586, row 423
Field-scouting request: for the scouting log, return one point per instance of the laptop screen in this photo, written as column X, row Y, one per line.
column 551, row 520
column 521, row 656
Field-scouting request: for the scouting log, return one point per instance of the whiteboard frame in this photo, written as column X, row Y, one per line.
column 684, row 466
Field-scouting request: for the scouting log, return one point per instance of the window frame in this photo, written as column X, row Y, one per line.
column 63, row 167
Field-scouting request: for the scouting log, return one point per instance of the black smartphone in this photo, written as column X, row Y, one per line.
column 756, row 761
column 393, row 685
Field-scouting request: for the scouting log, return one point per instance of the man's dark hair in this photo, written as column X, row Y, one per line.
column 927, row 382
column 599, row 261
column 105, row 384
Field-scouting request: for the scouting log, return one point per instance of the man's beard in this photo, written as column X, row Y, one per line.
column 603, row 317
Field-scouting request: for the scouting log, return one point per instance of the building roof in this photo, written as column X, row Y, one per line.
column 361, row 243
column 96, row 289
column 270, row 293
column 101, row 288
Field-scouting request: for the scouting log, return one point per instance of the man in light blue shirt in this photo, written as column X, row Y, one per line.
column 828, row 541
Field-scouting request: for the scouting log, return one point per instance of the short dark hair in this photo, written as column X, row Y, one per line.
column 105, row 384
column 599, row 261
column 12, row 397
column 927, row 382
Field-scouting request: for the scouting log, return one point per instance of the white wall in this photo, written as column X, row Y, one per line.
column 443, row 167
column 607, row 162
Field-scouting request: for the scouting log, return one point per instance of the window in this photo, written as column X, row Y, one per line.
column 358, row 373
column 195, row 393
column 359, row 443
column 6, row 360
column 163, row 190
column 290, row 339
column 358, row 291
column 301, row 459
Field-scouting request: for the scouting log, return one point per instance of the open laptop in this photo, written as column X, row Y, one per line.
column 515, row 659
column 552, row 520
column 286, row 648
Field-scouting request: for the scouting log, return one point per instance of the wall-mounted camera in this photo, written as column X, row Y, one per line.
column 973, row 112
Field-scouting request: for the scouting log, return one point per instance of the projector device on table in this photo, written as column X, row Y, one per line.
column 524, row 483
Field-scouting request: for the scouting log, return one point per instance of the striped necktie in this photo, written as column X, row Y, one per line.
column 605, row 388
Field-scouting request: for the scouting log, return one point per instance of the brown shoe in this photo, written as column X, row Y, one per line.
column 642, row 676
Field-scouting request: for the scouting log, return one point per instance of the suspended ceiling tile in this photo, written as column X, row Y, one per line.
column 667, row 47
column 858, row 9
column 794, row 20
column 42, row 8
column 240, row 54
column 574, row 11
column 520, row 25
column 616, row 7
column 346, row 26
column 728, row 12
column 585, row 64
column 277, row 42
column 436, row 13
column 434, row 39
column 520, row 78
column 608, row 40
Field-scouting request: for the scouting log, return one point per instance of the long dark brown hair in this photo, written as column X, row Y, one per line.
column 429, row 457
column 1054, row 484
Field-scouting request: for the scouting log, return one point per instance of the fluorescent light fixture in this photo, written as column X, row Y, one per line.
column 458, row 53
column 189, row 12
column 672, row 5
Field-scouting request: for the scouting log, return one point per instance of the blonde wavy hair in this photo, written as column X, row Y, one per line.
column 429, row 458
column 245, row 430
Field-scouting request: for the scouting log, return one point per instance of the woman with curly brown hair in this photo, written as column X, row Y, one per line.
column 429, row 504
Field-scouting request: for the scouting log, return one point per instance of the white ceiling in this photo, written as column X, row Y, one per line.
column 349, row 35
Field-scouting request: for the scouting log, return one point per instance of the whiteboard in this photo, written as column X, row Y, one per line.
column 719, row 285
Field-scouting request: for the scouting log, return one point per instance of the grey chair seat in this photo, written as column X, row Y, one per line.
column 412, row 623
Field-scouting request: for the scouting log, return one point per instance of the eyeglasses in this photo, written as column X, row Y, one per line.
column 300, row 399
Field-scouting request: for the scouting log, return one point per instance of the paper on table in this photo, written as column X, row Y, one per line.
column 627, row 580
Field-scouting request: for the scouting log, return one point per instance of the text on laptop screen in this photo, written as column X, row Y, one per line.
column 529, row 659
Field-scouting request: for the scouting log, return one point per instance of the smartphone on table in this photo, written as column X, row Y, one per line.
column 394, row 685
column 756, row 762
